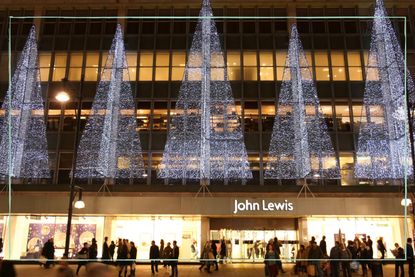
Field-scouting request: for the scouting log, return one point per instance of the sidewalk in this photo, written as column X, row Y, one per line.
column 232, row 270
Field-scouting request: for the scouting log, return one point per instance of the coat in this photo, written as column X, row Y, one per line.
column 154, row 252
column 93, row 251
column 48, row 250
column 105, row 251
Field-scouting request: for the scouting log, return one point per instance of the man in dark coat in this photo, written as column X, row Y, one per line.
column 48, row 252
column 175, row 257
column 105, row 251
column 111, row 250
column 410, row 257
column 276, row 245
column 154, row 257
column 93, row 250
column 215, row 254
column 334, row 259
column 323, row 246
column 381, row 247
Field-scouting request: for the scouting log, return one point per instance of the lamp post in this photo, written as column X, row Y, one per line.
column 63, row 97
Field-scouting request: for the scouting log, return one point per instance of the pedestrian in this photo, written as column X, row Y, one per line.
column 193, row 250
column 315, row 255
column 82, row 256
column 122, row 256
column 161, row 250
column 399, row 254
column 7, row 269
column 334, row 259
column 167, row 255
column 1, row 245
column 154, row 257
column 48, row 252
column 175, row 260
column 301, row 263
column 410, row 257
column 276, row 246
column 222, row 250
column 345, row 256
column 363, row 255
column 204, row 257
column 93, row 251
column 354, row 265
column 323, row 246
column 105, row 251
column 381, row 247
column 215, row 255
column 111, row 250
column 271, row 260
column 133, row 257
column 370, row 245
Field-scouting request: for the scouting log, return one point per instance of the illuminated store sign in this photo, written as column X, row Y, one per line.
column 262, row 206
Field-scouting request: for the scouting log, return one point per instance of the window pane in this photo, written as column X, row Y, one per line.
column 178, row 59
column 280, row 73
column 146, row 59
column 266, row 73
column 321, row 59
column 194, row 74
column 233, row 59
column 132, row 71
column 44, row 74
column 217, row 74
column 234, row 73
column 76, row 59
column 74, row 74
column 162, row 59
column 343, row 118
column 91, row 74
column 328, row 116
column 309, row 58
column 346, row 167
column 162, row 74
column 339, row 73
column 44, row 59
column 131, row 59
column 60, row 60
column 177, row 73
column 92, row 59
column 266, row 59
column 337, row 58
column 355, row 74
column 250, row 59
column 353, row 59
column 146, row 73
column 322, row 74
column 281, row 56
column 58, row 74
column 250, row 73
column 268, row 114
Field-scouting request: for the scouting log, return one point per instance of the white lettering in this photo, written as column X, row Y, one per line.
column 262, row 206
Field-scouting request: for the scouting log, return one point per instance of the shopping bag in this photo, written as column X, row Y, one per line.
column 311, row 270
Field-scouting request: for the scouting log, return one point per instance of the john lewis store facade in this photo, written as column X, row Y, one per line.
column 246, row 223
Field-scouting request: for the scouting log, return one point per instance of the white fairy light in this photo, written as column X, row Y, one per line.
column 383, row 145
column 25, row 119
column 300, row 144
column 110, row 145
column 205, row 139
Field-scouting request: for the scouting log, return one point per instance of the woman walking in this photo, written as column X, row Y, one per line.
column 271, row 261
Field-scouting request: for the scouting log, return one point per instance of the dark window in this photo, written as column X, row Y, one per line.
column 303, row 27
column 319, row 27
column 148, row 28
column 280, row 26
column 133, row 27
column 79, row 28
column 163, row 28
column 110, row 28
column 334, row 27
column 95, row 28
column 249, row 27
column 232, row 27
column 350, row 27
column 64, row 28
column 265, row 27
column 49, row 29
column 179, row 27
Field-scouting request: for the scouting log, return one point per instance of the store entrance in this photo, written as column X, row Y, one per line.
column 250, row 245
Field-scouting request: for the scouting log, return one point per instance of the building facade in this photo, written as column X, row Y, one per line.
column 74, row 40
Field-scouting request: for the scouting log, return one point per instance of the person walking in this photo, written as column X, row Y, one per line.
column 82, row 256
column 323, row 246
column 301, row 263
column 161, row 250
column 271, row 261
column 399, row 254
column 93, row 251
column 204, row 257
column 222, row 252
column 369, row 243
column 334, row 259
column 154, row 257
column 346, row 257
column 276, row 246
column 105, row 251
column 410, row 257
column 381, row 248
column 167, row 255
column 122, row 255
column 315, row 255
column 48, row 252
column 175, row 260
column 215, row 255
column 111, row 250
column 133, row 257
column 363, row 255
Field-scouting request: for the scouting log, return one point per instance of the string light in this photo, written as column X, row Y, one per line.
column 383, row 146
column 25, row 119
column 300, row 144
column 110, row 146
column 205, row 139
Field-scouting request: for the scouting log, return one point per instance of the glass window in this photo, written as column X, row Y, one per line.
column 280, row 73
column 177, row 73
column 353, row 58
column 339, row 73
column 250, row 73
column 268, row 114
column 217, row 74
column 44, row 74
column 60, row 60
column 76, row 59
column 91, row 73
column 266, row 73
column 160, row 116
column 328, row 116
column 92, row 59
column 131, row 59
column 250, row 59
column 162, row 59
column 143, row 116
column 146, row 59
column 337, row 58
column 233, row 58
column 75, row 74
column 162, row 74
column 343, row 118
column 44, row 59
column 132, row 72
column 266, row 58
column 178, row 59
column 234, row 73
column 357, row 115
column 309, row 58
column 321, row 58
column 146, row 73
column 347, row 169
column 355, row 66
column 58, row 74
column 281, row 56
column 322, row 74
column 355, row 73
column 217, row 60
column 251, row 116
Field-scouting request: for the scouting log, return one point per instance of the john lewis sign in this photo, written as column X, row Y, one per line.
column 262, row 206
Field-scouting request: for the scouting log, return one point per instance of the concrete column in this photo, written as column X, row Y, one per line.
column 37, row 21
column 204, row 231
column 122, row 11
column 291, row 11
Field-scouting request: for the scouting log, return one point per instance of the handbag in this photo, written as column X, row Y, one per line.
column 311, row 270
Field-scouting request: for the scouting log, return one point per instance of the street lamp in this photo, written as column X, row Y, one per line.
column 62, row 96
column 79, row 204
column 406, row 202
